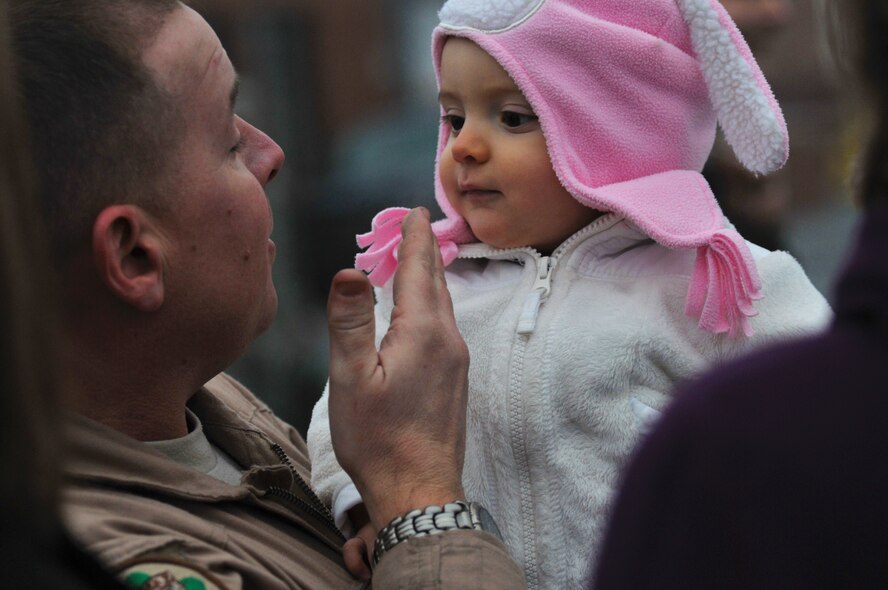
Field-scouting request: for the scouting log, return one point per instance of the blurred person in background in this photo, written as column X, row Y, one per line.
column 771, row 472
column 153, row 194
column 755, row 204
column 35, row 551
column 759, row 20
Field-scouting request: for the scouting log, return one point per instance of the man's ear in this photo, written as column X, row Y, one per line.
column 128, row 254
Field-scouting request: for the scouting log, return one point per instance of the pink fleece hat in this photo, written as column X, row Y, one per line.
column 628, row 93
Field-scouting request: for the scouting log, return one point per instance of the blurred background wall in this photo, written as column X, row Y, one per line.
column 346, row 87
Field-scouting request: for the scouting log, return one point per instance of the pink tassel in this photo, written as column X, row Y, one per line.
column 382, row 241
column 724, row 285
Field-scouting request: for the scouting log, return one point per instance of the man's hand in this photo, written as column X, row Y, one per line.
column 358, row 551
column 397, row 415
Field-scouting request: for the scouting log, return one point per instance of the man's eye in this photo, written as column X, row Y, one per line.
column 454, row 121
column 239, row 146
column 513, row 119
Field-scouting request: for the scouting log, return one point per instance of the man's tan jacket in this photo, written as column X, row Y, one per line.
column 147, row 516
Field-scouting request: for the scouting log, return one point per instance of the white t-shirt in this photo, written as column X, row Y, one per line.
column 196, row 451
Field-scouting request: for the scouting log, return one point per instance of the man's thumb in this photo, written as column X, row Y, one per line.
column 351, row 323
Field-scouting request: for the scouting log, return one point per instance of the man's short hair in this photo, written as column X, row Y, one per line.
column 104, row 131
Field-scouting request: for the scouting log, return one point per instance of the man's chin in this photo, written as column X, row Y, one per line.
column 270, row 313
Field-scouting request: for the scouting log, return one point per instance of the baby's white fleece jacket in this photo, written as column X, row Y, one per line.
column 561, row 390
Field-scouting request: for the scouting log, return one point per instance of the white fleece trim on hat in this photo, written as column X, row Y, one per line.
column 488, row 16
column 750, row 124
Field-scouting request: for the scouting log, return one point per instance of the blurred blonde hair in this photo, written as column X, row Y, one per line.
column 858, row 36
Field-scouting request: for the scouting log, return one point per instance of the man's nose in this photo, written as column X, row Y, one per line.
column 264, row 157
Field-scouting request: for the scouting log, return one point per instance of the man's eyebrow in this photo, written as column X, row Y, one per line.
column 235, row 90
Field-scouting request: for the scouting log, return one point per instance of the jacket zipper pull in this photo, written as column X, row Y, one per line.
column 538, row 294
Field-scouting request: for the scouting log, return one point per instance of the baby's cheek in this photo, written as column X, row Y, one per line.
column 451, row 190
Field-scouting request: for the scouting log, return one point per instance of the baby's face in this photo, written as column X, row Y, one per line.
column 495, row 167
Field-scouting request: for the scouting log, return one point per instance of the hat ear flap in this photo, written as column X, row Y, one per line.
column 746, row 108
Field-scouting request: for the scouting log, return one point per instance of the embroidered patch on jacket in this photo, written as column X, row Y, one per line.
column 166, row 574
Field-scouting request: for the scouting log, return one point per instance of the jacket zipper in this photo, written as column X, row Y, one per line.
column 319, row 510
column 538, row 293
column 316, row 507
column 518, row 443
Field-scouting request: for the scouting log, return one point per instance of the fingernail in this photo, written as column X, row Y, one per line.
column 349, row 289
column 425, row 213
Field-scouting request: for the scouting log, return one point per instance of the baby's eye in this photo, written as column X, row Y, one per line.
column 455, row 122
column 514, row 119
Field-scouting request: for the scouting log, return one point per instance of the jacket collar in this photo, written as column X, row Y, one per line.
column 601, row 230
column 102, row 455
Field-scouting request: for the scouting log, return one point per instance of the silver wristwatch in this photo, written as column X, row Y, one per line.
column 434, row 520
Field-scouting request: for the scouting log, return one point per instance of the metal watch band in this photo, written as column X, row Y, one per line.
column 418, row 523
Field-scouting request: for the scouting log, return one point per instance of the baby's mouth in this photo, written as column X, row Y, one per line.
column 472, row 191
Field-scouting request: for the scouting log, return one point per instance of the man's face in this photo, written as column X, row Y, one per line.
column 219, row 259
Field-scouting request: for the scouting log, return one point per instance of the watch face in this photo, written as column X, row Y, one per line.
column 485, row 520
